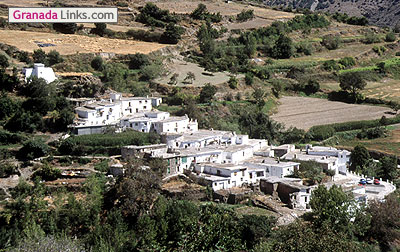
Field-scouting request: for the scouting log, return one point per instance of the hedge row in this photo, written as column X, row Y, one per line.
column 322, row 132
column 107, row 144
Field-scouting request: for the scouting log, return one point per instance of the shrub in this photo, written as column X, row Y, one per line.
column 3, row 61
column 143, row 35
column 311, row 87
column 138, row 60
column 152, row 15
column 67, row 28
column 372, row 133
column 54, row 57
column 97, row 63
column 245, row 15
column 330, row 65
column 7, row 169
column 319, row 133
column 347, row 62
column 249, row 79
column 390, row 37
column 331, row 42
column 48, row 172
column 33, row 149
column 102, row 166
column 7, row 137
column 207, row 93
column 172, row 34
column 233, row 82
column 100, row 29
column 371, row 38
column 39, row 56
column 397, row 53
column 201, row 13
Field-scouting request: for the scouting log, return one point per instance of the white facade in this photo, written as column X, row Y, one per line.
column 40, row 71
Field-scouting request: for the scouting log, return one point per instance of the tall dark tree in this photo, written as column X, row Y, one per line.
column 359, row 158
column 353, row 82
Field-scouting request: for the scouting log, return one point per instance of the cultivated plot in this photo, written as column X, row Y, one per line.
column 305, row 112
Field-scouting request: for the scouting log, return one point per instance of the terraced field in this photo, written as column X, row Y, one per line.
column 305, row 112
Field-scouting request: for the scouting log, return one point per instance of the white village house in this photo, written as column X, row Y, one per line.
column 40, row 71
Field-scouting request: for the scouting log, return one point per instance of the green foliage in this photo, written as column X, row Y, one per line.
column 152, row 15
column 172, row 34
column 100, row 29
column 388, row 168
column 102, row 166
column 352, row 82
column 48, row 244
column 372, row 133
column 371, row 38
column 7, row 169
column 7, row 137
column 331, row 42
column 319, row 133
column 97, row 63
column 7, row 106
column 48, row 172
column 33, row 149
column 233, row 82
column 67, row 28
column 201, row 13
column 39, row 56
column 54, row 57
column 283, row 48
column 102, row 143
column 359, row 158
column 390, row 37
column 245, row 15
column 249, row 79
column 311, row 171
column 4, row 61
column 344, row 18
column 305, row 47
column 138, row 60
column 207, row 93
column 311, row 87
column 347, row 62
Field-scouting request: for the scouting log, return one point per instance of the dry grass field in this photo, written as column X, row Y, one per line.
column 71, row 44
column 305, row 112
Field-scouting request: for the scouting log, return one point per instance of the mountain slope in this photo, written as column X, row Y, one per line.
column 379, row 12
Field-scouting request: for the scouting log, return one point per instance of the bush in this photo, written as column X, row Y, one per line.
column 39, row 56
column 138, row 60
column 102, row 166
column 67, row 28
column 152, row 15
column 331, row 42
column 7, row 169
column 201, row 13
column 33, row 149
column 172, row 34
column 311, row 87
column 48, row 172
column 347, row 62
column 144, row 35
column 249, row 79
column 390, row 37
column 372, row 133
column 233, row 82
column 207, row 93
column 371, row 38
column 54, row 57
column 97, row 63
column 319, row 133
column 245, row 15
column 3, row 61
column 7, row 137
column 331, row 65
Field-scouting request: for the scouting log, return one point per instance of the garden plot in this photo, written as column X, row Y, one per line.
column 305, row 112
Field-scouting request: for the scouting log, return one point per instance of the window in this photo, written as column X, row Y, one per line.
column 136, row 124
column 243, row 153
column 241, row 179
column 184, row 159
column 218, row 172
column 235, row 174
column 140, row 102
column 144, row 107
column 129, row 104
column 305, row 199
column 243, row 173
column 251, row 175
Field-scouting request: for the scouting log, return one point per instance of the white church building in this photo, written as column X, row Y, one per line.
column 40, row 71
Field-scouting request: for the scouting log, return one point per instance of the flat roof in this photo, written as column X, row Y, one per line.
column 213, row 177
column 226, row 166
column 204, row 134
column 136, row 147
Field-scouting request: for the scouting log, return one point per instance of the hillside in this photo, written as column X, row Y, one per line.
column 382, row 13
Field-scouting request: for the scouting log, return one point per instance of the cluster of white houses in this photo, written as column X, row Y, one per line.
column 137, row 113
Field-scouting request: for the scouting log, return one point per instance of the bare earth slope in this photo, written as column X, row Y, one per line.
column 305, row 112
column 379, row 12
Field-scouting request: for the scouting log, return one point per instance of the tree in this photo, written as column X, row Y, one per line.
column 331, row 42
column 54, row 57
column 207, row 93
column 33, row 149
column 39, row 56
column 200, row 12
column 390, row 37
column 352, row 81
column 249, row 79
column 100, row 29
column 97, row 63
column 3, row 61
column 335, row 208
column 259, row 96
column 233, row 82
column 359, row 158
column 138, row 60
column 67, row 28
column 190, row 77
column 385, row 221
column 283, row 48
column 174, row 79
column 395, row 106
column 7, row 106
column 388, row 168
column 311, row 87
column 172, row 34
column 312, row 171
column 48, row 172
column 245, row 15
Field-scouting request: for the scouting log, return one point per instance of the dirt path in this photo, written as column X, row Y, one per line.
column 305, row 112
